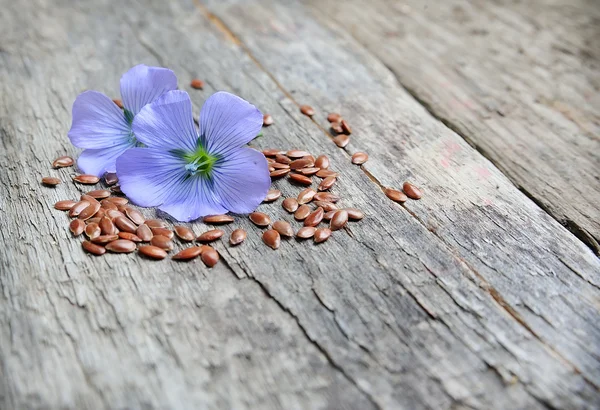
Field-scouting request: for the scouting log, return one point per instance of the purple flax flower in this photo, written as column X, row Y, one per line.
column 103, row 129
column 189, row 174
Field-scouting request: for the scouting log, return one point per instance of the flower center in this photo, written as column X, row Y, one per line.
column 200, row 162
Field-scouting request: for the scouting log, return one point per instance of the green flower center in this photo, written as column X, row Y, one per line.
column 199, row 162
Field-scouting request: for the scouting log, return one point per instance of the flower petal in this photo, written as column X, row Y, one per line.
column 99, row 161
column 142, row 84
column 227, row 121
column 242, row 180
column 193, row 199
column 167, row 123
column 97, row 122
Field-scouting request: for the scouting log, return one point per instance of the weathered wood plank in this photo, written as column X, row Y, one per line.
column 518, row 80
column 391, row 316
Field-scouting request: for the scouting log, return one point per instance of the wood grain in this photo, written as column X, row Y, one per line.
column 518, row 80
column 447, row 302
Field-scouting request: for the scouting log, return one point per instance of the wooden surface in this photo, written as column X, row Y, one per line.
column 473, row 297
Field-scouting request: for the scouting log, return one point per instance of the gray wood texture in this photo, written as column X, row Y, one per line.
column 472, row 297
column 519, row 80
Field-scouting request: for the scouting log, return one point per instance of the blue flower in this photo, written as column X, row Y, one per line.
column 103, row 129
column 190, row 174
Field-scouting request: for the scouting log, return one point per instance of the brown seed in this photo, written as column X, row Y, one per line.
column 396, row 195
column 92, row 230
column 155, row 223
column 118, row 102
column 290, row 204
column 135, row 215
column 307, row 110
column 107, row 227
column 354, row 214
column 346, row 128
column 101, row 212
column 324, row 173
column 322, row 234
column 50, row 181
column 210, row 236
column 302, row 163
column 315, row 217
column 129, row 236
column 360, row 158
column 90, row 199
column 327, row 206
column 113, row 214
column 306, row 232
column 210, row 257
column 106, row 204
column 271, row 169
column 327, row 197
column 197, row 84
column 184, row 233
column 302, row 212
column 278, row 173
column 282, row 159
column 64, row 205
column 153, row 252
column 270, row 152
column 61, row 162
column 272, row 238
column 117, row 200
column 339, row 220
column 94, row 220
column 306, row 195
column 284, row 228
column 162, row 242
column 411, row 191
column 110, row 178
column 328, row 215
column 116, row 189
column 163, row 232
column 277, row 165
column 99, row 193
column 341, row 140
column 144, row 233
column 238, row 236
column 326, row 184
column 78, row 207
column 322, row 162
column 89, row 211
column 260, row 219
column 218, row 219
column 336, row 127
column 188, row 253
column 301, row 179
column 267, row 120
column 120, row 246
column 125, row 224
column 76, row 227
column 308, row 171
column 296, row 153
column 334, row 117
column 104, row 239
column 93, row 248
column 86, row 179
column 272, row 195
column 310, row 157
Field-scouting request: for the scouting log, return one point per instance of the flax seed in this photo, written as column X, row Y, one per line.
column 328, row 215
column 99, row 194
column 76, row 227
column 345, row 127
column 322, row 162
column 296, row 153
column 117, row 200
column 90, row 199
column 86, row 179
column 339, row 220
column 135, row 216
column 64, row 205
column 284, row 228
column 360, row 158
column 271, row 169
column 162, row 242
column 336, row 127
column 290, row 204
column 93, row 248
column 210, row 257
column 153, row 252
column 89, row 211
column 395, row 195
column 354, row 214
column 238, row 236
column 125, row 224
column 301, row 179
column 129, row 236
column 104, row 239
column 326, row 184
column 113, row 214
column 106, row 204
column 302, row 212
column 271, row 152
column 302, row 163
column 210, row 236
column 322, row 234
column 324, row 173
column 327, row 206
column 278, row 173
column 188, row 253
column 78, row 207
column 197, row 84
column 50, row 181
column 306, row 232
column 184, row 233
column 118, row 102
column 106, row 226
column 272, row 238
column 334, row 117
column 144, row 233
column 315, row 217
column 282, row 159
column 155, row 223
column 95, row 220
column 272, row 195
column 260, row 219
column 307, row 110
column 61, row 162
column 306, row 195
column 411, row 191
column 163, row 232
column 309, row 171
column 120, row 246
column 92, row 230
column 110, row 178
column 116, row 189
column 277, row 165
column 341, row 140
column 267, row 120
column 327, row 197
column 218, row 219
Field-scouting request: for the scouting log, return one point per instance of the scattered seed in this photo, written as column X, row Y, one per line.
column 104, row 239
column 339, row 220
column 337, row 127
column 322, row 234
column 272, row 238
column 282, row 159
column 61, row 162
column 341, row 140
column 290, row 204
column 117, row 200
column 260, row 219
column 411, row 191
column 184, row 233
column 334, row 117
column 144, row 233
column 306, row 232
column 327, row 206
column 76, row 227
column 267, row 120
column 272, row 195
column 210, row 257
column 307, row 110
column 153, row 252
column 106, row 204
column 218, row 219
column 271, row 152
column 238, row 236
column 162, row 242
column 86, row 179
column 118, row 102
column 94, row 220
column 120, row 246
column 302, row 163
column 92, row 230
column 301, row 179
column 113, row 214
column 360, row 158
column 110, row 178
column 135, row 215
column 188, row 253
column 50, row 181
column 93, row 248
column 125, row 224
column 107, row 227
column 155, row 223
column 328, row 215
column 64, row 205
column 279, row 173
column 90, row 199
column 116, row 189
column 210, row 236
column 277, row 165
column 271, row 169
column 78, row 207
column 315, row 217
column 354, row 214
column 309, row 171
column 324, row 173
column 326, row 184
column 396, row 195
column 346, row 128
column 296, row 153
column 322, row 162
column 306, row 195
column 89, row 211
column 284, row 228
column 129, row 236
column 327, row 197
column 99, row 193
column 302, row 212
column 163, row 232
column 197, row 84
